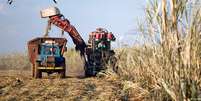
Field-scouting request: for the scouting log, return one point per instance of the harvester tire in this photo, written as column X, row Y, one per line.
column 89, row 72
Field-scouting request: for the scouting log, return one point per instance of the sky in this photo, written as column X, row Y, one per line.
column 21, row 21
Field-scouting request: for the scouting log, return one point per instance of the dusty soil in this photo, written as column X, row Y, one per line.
column 20, row 86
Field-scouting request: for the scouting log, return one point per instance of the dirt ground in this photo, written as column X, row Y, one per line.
column 20, row 86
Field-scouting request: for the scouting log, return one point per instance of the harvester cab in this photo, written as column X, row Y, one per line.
column 101, row 39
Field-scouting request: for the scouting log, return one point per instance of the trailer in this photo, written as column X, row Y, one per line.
column 46, row 55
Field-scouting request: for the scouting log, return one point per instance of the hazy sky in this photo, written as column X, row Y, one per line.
column 21, row 21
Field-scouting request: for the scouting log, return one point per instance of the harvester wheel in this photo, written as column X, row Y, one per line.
column 89, row 72
column 37, row 72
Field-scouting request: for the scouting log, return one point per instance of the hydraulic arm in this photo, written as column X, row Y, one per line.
column 63, row 23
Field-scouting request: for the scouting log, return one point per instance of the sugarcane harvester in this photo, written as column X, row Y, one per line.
column 99, row 53
column 95, row 55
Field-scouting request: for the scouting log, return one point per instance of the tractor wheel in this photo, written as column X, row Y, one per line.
column 37, row 72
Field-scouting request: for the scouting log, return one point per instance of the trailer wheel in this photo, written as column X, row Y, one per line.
column 33, row 71
column 37, row 73
column 62, row 73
